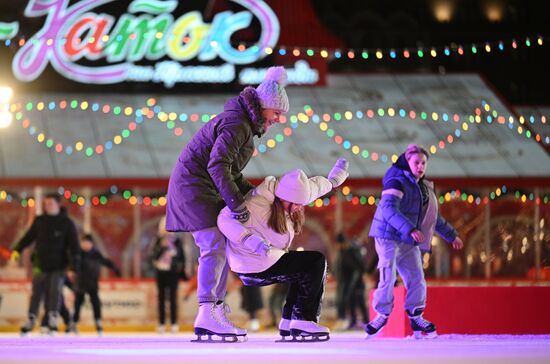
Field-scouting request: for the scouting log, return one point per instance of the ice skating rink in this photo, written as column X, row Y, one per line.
column 342, row 348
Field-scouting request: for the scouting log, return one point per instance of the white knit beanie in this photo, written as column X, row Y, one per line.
column 271, row 91
column 294, row 187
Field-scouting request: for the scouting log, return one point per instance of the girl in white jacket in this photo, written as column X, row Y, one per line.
column 258, row 250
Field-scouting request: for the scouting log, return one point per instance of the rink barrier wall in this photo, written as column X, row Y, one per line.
column 516, row 310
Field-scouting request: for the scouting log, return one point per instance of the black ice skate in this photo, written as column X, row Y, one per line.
column 210, row 330
column 29, row 325
column 422, row 328
column 52, row 322
column 72, row 328
column 374, row 327
column 308, row 331
column 99, row 327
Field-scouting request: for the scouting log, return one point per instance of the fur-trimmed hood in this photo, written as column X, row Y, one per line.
column 402, row 164
column 249, row 102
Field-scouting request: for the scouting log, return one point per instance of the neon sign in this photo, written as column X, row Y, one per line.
column 301, row 74
column 147, row 32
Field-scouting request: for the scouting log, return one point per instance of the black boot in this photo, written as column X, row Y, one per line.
column 52, row 322
column 99, row 327
column 29, row 324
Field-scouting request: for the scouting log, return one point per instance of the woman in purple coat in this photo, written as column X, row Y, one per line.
column 207, row 177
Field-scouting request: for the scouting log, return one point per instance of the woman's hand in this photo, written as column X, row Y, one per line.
column 457, row 243
column 417, row 236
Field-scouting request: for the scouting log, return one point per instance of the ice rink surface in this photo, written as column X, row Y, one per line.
column 260, row 348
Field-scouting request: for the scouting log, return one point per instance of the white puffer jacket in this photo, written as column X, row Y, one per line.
column 259, row 201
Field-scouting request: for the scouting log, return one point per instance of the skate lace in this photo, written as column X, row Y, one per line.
column 420, row 321
column 379, row 321
column 213, row 313
column 224, row 319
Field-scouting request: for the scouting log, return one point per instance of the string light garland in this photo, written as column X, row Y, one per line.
column 412, row 114
column 326, row 118
column 103, row 199
column 447, row 197
column 154, row 111
column 359, row 54
column 19, row 109
column 159, row 200
column 511, row 121
column 95, row 200
column 410, row 53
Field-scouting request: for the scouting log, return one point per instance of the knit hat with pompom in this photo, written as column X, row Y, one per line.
column 271, row 91
column 294, row 187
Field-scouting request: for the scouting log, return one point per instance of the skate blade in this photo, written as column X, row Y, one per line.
column 220, row 340
column 310, row 338
column 284, row 339
column 371, row 336
column 420, row 335
column 284, row 332
column 215, row 338
column 303, row 336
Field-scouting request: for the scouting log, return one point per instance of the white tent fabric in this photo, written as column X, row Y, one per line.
column 484, row 150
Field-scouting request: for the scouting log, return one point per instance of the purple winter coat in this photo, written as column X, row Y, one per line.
column 207, row 175
column 395, row 218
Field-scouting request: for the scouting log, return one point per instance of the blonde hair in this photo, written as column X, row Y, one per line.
column 413, row 149
column 277, row 219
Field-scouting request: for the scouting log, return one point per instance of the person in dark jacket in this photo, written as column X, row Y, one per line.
column 88, row 280
column 207, row 177
column 169, row 262
column 403, row 226
column 55, row 241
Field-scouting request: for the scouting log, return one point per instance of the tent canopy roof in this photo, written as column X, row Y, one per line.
column 304, row 141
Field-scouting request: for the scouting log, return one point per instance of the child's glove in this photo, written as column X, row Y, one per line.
column 257, row 244
column 338, row 173
column 14, row 256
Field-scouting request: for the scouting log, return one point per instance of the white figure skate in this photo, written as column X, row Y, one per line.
column 284, row 331
column 207, row 324
column 221, row 312
column 308, row 331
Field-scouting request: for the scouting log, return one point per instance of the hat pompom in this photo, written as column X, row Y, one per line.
column 277, row 74
column 271, row 91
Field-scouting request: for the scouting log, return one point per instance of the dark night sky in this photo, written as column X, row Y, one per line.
column 521, row 76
